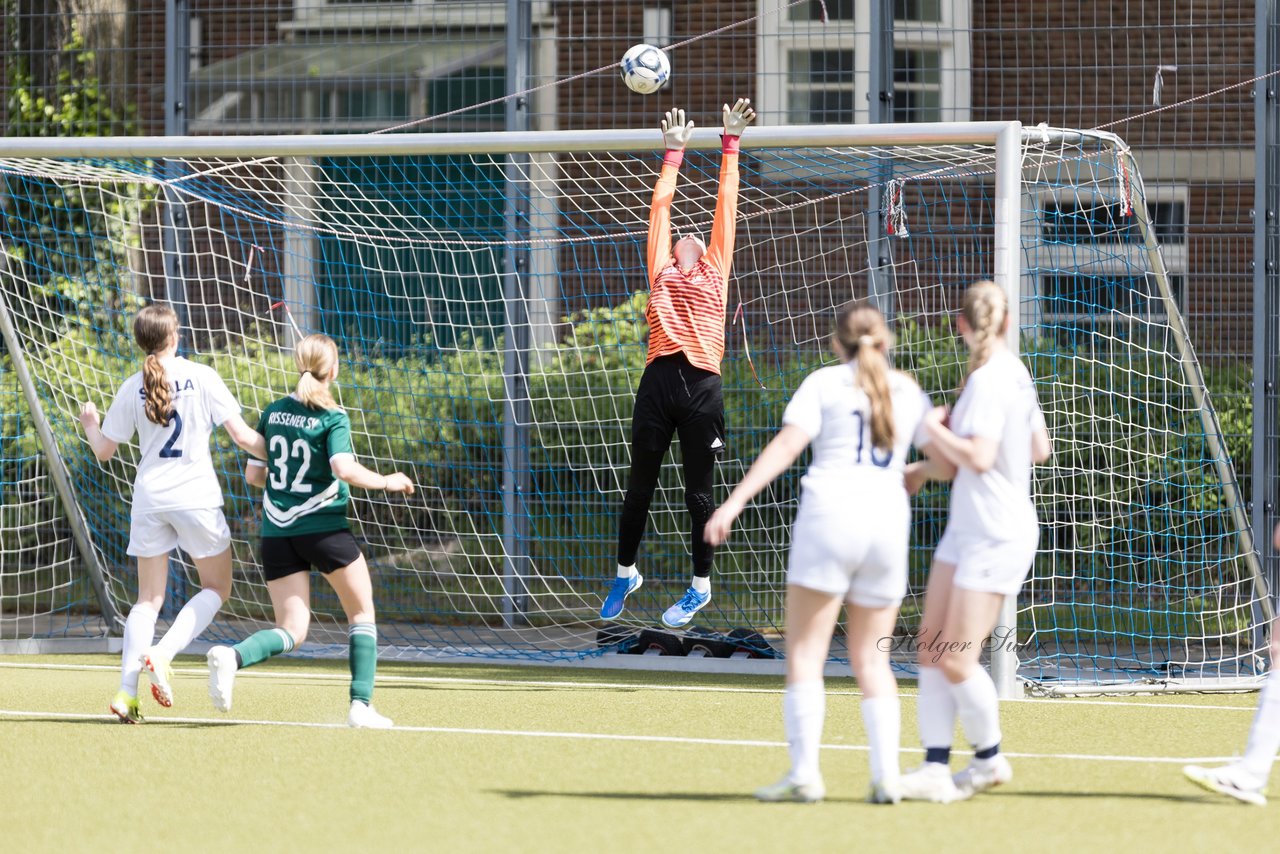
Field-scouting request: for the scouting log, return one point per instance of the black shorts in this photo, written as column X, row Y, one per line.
column 674, row 396
column 325, row 551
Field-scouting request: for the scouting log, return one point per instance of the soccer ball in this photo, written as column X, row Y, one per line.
column 645, row 69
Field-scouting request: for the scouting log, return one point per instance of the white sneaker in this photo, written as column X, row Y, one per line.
column 363, row 716
column 887, row 791
column 1230, row 780
column 785, row 791
column 222, row 676
column 983, row 774
column 930, row 782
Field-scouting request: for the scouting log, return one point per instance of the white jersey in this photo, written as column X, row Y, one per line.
column 835, row 413
column 998, row 403
column 175, row 471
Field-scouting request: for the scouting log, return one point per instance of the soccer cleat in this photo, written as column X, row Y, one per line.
column 983, row 774
column 222, row 676
column 785, row 791
column 618, row 593
column 363, row 716
column 125, row 708
column 930, row 782
column 885, row 792
column 160, row 672
column 1230, row 780
column 679, row 614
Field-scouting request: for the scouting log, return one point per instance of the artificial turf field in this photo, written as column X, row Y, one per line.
column 531, row 759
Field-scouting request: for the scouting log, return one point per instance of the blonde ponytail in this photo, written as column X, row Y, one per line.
column 985, row 309
column 155, row 328
column 865, row 338
column 316, row 357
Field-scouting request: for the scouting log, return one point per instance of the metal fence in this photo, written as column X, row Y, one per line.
column 292, row 66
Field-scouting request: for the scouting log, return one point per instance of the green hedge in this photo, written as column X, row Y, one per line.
column 1130, row 486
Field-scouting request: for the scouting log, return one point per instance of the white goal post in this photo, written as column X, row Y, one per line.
column 483, row 288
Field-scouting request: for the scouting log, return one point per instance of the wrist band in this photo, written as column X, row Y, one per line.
column 729, row 144
column 673, row 157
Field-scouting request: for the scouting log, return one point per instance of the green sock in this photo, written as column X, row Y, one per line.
column 363, row 658
column 260, row 646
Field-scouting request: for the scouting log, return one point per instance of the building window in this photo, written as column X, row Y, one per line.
column 1092, row 268
column 657, row 25
column 813, row 73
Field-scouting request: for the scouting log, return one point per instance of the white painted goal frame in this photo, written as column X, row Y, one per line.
column 1006, row 137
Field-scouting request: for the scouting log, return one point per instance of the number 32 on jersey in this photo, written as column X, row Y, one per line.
column 283, row 458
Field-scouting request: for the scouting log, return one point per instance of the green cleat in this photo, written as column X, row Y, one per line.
column 125, row 708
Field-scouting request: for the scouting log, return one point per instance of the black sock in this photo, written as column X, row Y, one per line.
column 988, row 753
column 937, row 754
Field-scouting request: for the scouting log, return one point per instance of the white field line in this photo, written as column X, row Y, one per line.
column 594, row 736
column 392, row 679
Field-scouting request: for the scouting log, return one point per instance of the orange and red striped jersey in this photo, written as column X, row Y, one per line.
column 687, row 309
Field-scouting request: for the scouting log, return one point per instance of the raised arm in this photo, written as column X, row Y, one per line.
column 724, row 226
column 676, row 133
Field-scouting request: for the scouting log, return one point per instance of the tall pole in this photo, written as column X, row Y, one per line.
column 880, row 111
column 1008, row 275
column 516, row 476
column 174, row 227
column 174, row 247
column 1266, row 307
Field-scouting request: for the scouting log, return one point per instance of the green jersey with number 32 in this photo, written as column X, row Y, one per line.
column 303, row 496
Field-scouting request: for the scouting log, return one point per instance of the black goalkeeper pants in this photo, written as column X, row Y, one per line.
column 674, row 398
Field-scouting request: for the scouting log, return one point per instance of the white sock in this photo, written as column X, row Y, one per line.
column 1264, row 734
column 626, row 571
column 191, row 621
column 701, row 583
column 936, row 709
column 804, row 706
column 139, row 631
column 978, row 708
column 882, row 717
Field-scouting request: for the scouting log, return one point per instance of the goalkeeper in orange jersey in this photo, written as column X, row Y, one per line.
column 680, row 390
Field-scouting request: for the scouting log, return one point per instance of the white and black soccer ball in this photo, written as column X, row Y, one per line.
column 645, row 69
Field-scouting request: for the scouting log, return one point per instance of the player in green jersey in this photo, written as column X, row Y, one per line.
column 310, row 463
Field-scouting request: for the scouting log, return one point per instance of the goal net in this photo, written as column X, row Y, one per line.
column 487, row 293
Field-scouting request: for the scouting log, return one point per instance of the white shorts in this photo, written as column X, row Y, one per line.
column 201, row 533
column 862, row 560
column 987, row 565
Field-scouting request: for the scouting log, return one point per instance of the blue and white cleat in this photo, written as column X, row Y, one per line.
column 618, row 593
column 679, row 614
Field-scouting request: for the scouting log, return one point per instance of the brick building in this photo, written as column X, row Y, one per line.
column 322, row 66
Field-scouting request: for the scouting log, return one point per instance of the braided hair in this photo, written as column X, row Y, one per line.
column 985, row 309
column 154, row 329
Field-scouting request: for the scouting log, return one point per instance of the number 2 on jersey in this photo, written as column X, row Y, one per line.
column 169, row 452
column 879, row 462
column 279, row 475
